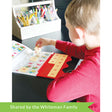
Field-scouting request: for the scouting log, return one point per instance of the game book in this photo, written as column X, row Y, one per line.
column 45, row 64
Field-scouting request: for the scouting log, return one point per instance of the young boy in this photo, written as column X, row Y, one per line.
column 83, row 83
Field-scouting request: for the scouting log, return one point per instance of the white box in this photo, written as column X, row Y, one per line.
column 37, row 29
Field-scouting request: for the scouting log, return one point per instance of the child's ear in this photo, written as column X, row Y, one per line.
column 80, row 31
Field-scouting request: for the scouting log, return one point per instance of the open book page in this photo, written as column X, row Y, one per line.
column 25, row 60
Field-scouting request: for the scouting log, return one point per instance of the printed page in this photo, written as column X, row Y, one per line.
column 26, row 61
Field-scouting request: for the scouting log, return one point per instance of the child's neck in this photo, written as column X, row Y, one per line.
column 92, row 42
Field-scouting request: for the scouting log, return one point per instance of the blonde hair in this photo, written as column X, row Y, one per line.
column 85, row 14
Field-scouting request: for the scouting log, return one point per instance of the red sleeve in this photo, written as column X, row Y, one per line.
column 80, row 82
column 71, row 49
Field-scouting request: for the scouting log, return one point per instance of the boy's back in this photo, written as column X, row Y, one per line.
column 83, row 83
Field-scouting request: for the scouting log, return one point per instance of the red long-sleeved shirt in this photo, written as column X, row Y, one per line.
column 83, row 83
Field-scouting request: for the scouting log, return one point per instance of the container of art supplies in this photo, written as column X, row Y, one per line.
column 36, row 19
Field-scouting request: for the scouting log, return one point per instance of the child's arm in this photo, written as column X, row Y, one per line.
column 44, row 42
column 67, row 47
column 71, row 49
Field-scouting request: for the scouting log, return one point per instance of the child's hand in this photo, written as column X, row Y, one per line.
column 37, row 50
column 44, row 42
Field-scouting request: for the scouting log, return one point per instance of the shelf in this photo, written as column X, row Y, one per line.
column 31, row 29
column 33, row 4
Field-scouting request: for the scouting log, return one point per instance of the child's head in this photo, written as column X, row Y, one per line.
column 84, row 14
